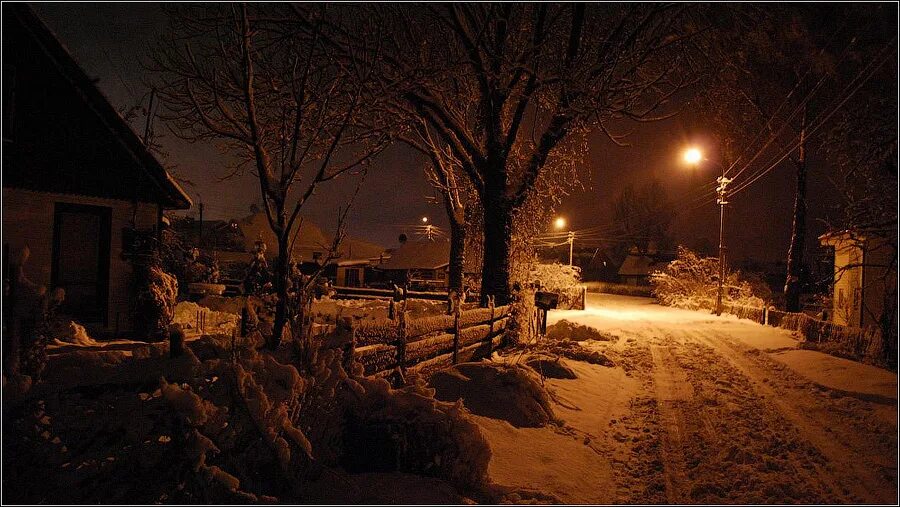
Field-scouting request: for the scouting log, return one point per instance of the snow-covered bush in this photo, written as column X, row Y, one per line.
column 691, row 281
column 562, row 279
column 154, row 300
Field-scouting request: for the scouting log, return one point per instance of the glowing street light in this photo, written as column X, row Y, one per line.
column 693, row 156
column 559, row 223
column 424, row 220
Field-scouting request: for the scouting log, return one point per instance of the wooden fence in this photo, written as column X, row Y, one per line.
column 385, row 345
column 861, row 344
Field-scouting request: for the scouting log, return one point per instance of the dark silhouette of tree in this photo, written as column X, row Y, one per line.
column 275, row 99
column 643, row 216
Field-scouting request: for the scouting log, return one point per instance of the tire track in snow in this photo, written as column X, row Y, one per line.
column 672, row 393
column 845, row 471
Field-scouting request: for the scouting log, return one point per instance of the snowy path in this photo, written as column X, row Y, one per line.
column 705, row 409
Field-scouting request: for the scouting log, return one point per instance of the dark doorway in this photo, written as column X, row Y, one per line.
column 81, row 260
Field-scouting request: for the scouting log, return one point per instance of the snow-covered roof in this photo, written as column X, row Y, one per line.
column 423, row 254
column 165, row 189
column 643, row 265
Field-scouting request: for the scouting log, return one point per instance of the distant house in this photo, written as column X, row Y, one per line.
column 77, row 181
column 637, row 266
column 424, row 263
column 233, row 241
column 862, row 277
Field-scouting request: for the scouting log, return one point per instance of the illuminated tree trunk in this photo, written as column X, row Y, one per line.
column 457, row 255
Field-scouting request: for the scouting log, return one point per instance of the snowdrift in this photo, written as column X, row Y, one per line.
column 511, row 393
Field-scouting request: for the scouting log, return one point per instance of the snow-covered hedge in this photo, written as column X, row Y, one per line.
column 562, row 279
column 691, row 281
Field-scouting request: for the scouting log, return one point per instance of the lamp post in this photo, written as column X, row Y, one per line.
column 560, row 223
column 694, row 156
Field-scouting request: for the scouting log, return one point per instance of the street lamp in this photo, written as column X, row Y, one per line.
column 694, row 156
column 560, row 224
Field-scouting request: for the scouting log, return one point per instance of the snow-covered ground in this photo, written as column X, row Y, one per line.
column 704, row 409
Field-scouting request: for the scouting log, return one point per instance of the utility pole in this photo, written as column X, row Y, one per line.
column 571, row 241
column 722, row 201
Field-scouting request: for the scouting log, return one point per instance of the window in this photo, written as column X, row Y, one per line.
column 352, row 277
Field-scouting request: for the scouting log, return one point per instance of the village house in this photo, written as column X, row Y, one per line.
column 78, row 183
column 862, row 277
column 424, row 263
column 233, row 241
column 638, row 265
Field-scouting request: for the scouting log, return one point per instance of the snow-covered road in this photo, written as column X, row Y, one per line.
column 706, row 409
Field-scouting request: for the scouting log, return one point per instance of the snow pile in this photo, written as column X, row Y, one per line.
column 74, row 333
column 407, row 430
column 550, row 367
column 508, row 392
column 565, row 330
column 575, row 351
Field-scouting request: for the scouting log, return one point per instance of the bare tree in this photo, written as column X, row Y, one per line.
column 644, row 215
column 862, row 146
column 776, row 76
column 534, row 75
column 275, row 99
column 445, row 175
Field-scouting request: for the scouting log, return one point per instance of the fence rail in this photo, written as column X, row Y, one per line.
column 858, row 343
column 385, row 345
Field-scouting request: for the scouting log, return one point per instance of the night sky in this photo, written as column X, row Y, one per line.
column 109, row 40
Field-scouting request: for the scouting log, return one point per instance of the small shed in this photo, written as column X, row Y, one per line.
column 863, row 277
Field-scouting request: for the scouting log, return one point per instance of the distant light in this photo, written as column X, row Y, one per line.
column 424, row 220
column 693, row 156
column 559, row 223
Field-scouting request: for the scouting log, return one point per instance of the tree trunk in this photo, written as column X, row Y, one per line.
column 457, row 256
column 498, row 217
column 798, row 232
column 281, row 291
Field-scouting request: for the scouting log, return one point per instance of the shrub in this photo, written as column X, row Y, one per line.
column 156, row 293
column 691, row 281
column 561, row 279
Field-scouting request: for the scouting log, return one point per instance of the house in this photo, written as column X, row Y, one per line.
column 77, row 182
column 863, row 277
column 637, row 266
column 233, row 242
column 424, row 263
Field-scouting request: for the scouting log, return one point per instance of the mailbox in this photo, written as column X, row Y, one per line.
column 546, row 300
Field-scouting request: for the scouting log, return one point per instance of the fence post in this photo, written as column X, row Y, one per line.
column 456, row 332
column 490, row 343
column 244, row 317
column 391, row 309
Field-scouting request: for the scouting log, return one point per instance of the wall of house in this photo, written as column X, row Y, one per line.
column 28, row 221
column 847, row 285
